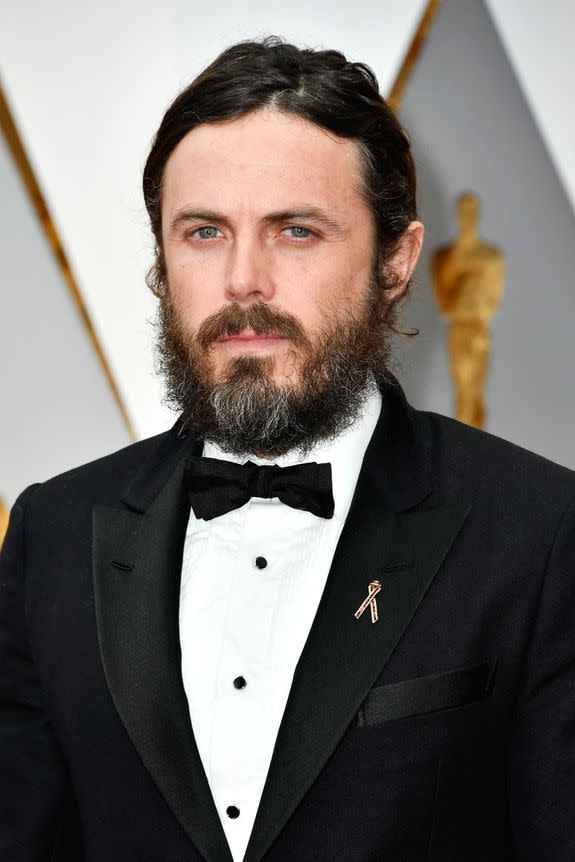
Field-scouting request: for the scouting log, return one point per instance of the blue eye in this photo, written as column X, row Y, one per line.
column 300, row 232
column 208, row 232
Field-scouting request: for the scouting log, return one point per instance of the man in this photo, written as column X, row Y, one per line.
column 309, row 622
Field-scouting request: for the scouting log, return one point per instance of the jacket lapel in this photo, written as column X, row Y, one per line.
column 343, row 656
column 137, row 557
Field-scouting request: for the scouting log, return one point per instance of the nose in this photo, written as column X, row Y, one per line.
column 248, row 277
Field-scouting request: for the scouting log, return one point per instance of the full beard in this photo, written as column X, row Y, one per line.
column 243, row 409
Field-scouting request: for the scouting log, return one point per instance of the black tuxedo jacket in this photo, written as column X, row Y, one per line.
column 444, row 731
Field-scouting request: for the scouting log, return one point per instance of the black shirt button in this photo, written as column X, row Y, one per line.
column 232, row 811
column 239, row 682
column 261, row 562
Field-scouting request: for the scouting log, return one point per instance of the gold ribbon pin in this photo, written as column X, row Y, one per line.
column 373, row 589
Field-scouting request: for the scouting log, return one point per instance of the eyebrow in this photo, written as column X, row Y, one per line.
column 300, row 213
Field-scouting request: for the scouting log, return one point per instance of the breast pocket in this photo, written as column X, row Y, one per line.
column 427, row 694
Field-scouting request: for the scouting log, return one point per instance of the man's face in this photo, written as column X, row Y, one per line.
column 265, row 209
column 273, row 316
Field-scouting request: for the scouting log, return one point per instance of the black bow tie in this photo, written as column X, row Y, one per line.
column 216, row 487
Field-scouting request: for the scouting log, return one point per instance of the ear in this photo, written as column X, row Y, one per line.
column 404, row 259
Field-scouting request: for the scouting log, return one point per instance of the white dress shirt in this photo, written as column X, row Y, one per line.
column 243, row 624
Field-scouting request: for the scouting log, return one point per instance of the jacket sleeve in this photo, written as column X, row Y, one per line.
column 542, row 762
column 35, row 797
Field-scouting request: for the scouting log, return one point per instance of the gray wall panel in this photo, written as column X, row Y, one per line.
column 471, row 130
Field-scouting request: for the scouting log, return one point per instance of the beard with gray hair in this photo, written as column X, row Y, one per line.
column 244, row 410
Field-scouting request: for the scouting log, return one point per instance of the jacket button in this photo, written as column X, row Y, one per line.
column 239, row 682
column 232, row 811
column 261, row 562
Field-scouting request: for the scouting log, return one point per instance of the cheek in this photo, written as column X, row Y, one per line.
column 304, row 285
column 326, row 292
column 193, row 295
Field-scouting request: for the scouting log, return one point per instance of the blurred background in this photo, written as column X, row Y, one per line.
column 483, row 88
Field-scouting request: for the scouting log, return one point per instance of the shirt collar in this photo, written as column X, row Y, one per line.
column 345, row 452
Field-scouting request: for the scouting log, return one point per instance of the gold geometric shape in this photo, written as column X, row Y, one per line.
column 399, row 86
column 4, row 518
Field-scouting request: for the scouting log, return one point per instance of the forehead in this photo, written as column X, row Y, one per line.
column 258, row 161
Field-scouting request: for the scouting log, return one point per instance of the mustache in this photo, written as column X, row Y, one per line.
column 263, row 319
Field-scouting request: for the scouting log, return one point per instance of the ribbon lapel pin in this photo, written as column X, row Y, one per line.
column 373, row 589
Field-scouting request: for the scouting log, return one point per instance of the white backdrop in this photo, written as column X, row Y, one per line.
column 88, row 84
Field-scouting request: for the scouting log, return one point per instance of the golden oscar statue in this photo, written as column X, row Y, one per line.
column 468, row 278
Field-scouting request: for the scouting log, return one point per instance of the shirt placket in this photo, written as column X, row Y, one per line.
column 244, row 686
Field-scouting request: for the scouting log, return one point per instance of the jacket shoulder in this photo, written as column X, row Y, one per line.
column 103, row 478
column 484, row 462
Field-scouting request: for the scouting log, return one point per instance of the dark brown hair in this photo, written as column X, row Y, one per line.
column 322, row 87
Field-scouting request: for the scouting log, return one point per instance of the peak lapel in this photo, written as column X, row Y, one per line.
column 343, row 656
column 137, row 606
